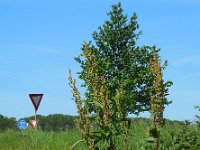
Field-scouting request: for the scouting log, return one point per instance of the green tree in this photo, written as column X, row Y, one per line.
column 120, row 61
column 118, row 78
column 7, row 123
column 54, row 122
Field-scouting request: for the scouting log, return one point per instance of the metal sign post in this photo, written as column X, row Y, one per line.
column 35, row 115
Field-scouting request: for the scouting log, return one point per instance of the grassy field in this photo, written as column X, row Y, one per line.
column 31, row 139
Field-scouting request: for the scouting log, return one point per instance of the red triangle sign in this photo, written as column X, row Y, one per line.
column 36, row 99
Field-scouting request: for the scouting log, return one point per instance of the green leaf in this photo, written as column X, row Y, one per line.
column 73, row 146
column 151, row 139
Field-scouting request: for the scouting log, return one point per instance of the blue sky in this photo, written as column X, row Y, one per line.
column 39, row 39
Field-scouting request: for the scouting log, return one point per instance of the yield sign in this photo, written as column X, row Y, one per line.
column 36, row 99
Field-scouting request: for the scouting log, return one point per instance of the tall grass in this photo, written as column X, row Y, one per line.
column 31, row 139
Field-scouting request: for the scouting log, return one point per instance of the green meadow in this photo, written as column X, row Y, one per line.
column 174, row 135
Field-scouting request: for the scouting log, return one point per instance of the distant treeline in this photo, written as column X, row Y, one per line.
column 60, row 122
column 7, row 123
column 53, row 122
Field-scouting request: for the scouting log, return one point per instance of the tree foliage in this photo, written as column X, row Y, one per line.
column 7, row 123
column 120, row 61
column 54, row 122
column 119, row 79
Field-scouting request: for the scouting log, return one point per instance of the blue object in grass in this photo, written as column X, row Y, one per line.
column 22, row 124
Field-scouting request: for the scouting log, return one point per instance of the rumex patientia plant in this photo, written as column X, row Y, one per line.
column 83, row 123
column 158, row 97
column 101, row 120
